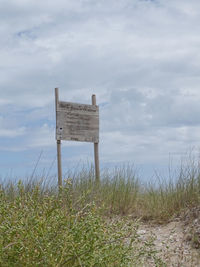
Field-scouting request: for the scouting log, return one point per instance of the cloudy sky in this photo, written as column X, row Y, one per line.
column 140, row 57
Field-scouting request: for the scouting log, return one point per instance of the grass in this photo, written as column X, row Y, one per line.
column 40, row 228
column 80, row 226
column 121, row 192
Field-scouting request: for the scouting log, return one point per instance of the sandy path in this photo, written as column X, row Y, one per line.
column 171, row 244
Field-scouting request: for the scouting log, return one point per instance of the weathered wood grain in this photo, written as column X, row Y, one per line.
column 96, row 149
column 77, row 122
column 59, row 162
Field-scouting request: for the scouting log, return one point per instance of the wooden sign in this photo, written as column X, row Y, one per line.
column 77, row 122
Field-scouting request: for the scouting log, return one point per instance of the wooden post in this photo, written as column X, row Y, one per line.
column 59, row 164
column 58, row 146
column 96, row 150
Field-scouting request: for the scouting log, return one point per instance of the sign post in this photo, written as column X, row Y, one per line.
column 96, row 149
column 58, row 145
column 77, row 122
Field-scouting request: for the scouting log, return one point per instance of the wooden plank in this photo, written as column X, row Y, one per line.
column 77, row 122
column 76, row 107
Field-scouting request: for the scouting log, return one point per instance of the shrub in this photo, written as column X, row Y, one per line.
column 48, row 230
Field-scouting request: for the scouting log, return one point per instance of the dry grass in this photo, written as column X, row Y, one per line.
column 37, row 222
column 121, row 193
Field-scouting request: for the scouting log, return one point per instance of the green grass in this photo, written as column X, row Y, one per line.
column 121, row 193
column 89, row 223
column 40, row 228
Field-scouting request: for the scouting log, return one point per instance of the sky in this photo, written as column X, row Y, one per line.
column 140, row 57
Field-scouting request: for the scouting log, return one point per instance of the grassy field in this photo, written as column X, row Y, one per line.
column 89, row 223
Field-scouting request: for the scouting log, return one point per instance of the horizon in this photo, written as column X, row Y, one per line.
column 140, row 59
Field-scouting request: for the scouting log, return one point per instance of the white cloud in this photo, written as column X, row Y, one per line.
column 40, row 137
column 4, row 102
column 140, row 58
column 11, row 133
column 10, row 129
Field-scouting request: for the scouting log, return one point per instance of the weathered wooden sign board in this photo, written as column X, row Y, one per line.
column 77, row 122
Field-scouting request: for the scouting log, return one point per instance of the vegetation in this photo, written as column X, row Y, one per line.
column 89, row 223
column 44, row 229
column 121, row 193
